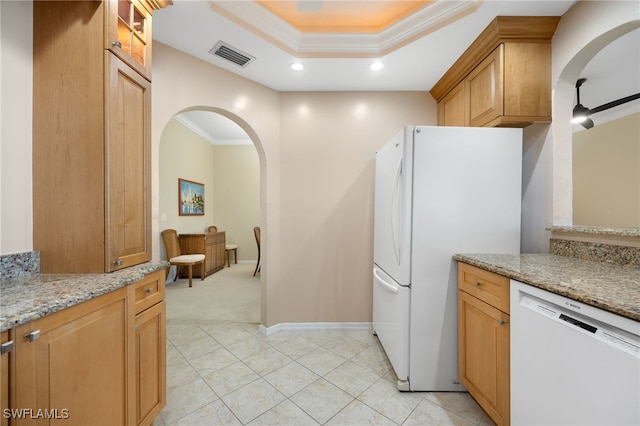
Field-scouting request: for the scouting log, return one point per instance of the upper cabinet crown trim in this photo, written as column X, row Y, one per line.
column 502, row 29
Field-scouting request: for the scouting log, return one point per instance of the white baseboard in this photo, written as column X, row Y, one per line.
column 314, row 326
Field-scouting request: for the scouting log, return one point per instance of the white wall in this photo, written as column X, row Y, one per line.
column 327, row 161
column 16, row 94
column 184, row 155
column 236, row 196
column 606, row 174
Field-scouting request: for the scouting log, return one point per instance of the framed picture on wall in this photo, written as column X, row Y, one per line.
column 190, row 198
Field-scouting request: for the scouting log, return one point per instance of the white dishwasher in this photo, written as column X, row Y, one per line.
column 571, row 363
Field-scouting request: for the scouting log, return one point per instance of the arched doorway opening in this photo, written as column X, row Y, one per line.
column 564, row 101
column 218, row 149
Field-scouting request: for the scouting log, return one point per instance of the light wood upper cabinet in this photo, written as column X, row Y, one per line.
column 483, row 333
column 91, row 143
column 453, row 109
column 128, row 173
column 128, row 33
column 503, row 79
column 486, row 89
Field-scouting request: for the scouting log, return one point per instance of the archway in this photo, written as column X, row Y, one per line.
column 196, row 161
column 562, row 127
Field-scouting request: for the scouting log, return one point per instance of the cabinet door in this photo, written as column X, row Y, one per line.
column 453, row 110
column 128, row 34
column 128, row 180
column 4, row 379
column 73, row 363
column 527, row 81
column 150, row 363
column 486, row 89
column 484, row 355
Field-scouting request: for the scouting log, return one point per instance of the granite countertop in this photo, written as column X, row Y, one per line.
column 29, row 298
column 597, row 230
column 604, row 285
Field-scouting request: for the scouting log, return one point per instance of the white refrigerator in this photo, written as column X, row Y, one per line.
column 438, row 191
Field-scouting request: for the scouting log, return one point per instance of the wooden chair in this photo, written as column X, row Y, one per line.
column 175, row 257
column 256, row 233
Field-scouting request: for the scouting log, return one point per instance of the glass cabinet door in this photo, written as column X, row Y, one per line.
column 129, row 30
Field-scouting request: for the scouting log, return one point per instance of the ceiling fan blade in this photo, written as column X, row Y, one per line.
column 615, row 103
column 309, row 5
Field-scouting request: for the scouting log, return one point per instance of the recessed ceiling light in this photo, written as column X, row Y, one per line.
column 297, row 66
column 376, row 66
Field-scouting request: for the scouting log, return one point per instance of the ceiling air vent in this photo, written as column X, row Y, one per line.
column 232, row 54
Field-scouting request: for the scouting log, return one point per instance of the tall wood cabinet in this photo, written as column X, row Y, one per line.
column 503, row 79
column 211, row 245
column 483, row 333
column 91, row 134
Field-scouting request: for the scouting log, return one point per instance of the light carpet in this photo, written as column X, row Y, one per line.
column 231, row 294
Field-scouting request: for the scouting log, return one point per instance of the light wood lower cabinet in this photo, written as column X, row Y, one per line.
column 150, row 347
column 74, row 363
column 483, row 332
column 4, row 376
column 101, row 362
column 150, row 363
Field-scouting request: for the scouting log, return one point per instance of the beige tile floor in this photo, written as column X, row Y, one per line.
column 225, row 372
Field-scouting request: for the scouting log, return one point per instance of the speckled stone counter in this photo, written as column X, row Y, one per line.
column 597, row 230
column 607, row 286
column 28, row 298
column 600, row 244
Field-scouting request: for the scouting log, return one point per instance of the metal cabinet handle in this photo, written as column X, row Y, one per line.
column 117, row 262
column 33, row 336
column 501, row 322
column 6, row 347
column 149, row 290
column 117, row 43
column 477, row 283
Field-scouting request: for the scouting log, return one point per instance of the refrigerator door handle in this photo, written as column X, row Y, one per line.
column 386, row 285
column 395, row 206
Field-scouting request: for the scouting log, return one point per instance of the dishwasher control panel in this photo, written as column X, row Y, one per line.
column 618, row 338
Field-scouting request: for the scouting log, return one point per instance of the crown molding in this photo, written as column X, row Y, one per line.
column 262, row 22
column 180, row 118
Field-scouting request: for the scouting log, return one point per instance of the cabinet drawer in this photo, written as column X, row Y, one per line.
column 149, row 291
column 486, row 286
